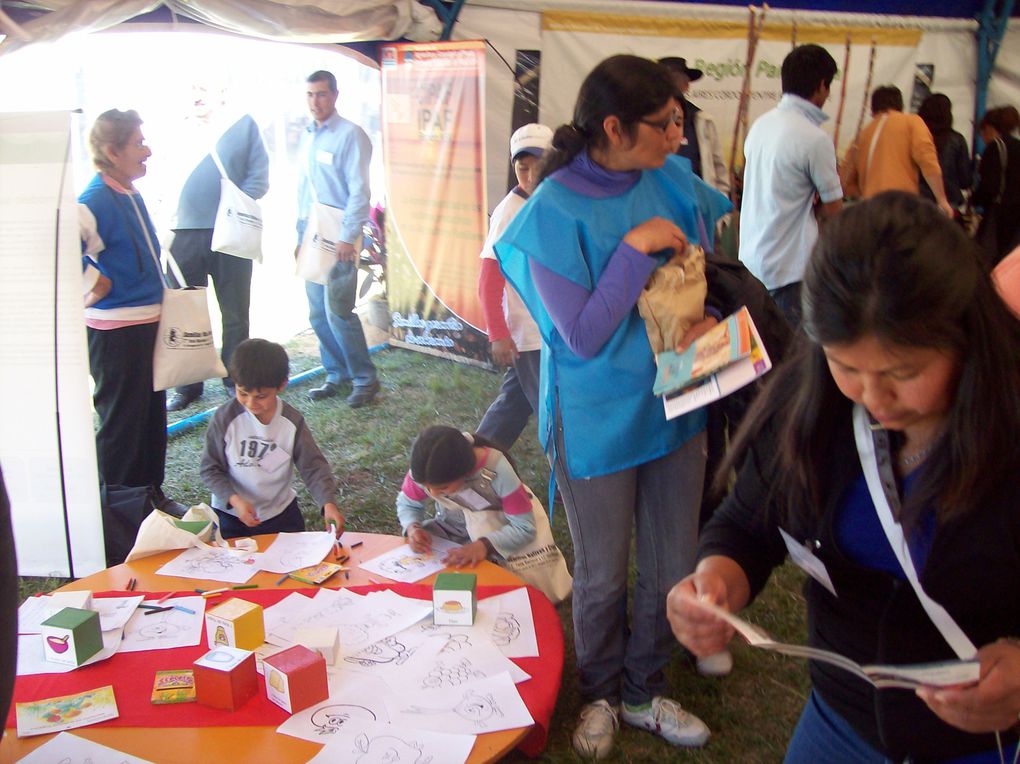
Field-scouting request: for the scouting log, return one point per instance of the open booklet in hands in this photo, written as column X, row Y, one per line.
column 724, row 359
column 939, row 674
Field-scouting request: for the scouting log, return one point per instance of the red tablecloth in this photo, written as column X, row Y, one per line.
column 132, row 674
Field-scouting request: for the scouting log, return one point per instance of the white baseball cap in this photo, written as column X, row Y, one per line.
column 534, row 139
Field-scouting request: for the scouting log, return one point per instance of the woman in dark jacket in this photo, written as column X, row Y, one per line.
column 998, row 189
column 909, row 363
column 954, row 157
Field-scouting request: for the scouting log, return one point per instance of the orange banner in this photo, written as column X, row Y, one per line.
column 433, row 140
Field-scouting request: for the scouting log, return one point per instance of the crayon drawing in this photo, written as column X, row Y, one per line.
column 366, row 742
column 474, row 708
column 213, row 564
column 388, row 749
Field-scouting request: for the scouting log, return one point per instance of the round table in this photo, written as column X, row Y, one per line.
column 256, row 744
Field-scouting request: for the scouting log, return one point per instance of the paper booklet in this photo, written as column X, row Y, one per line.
column 910, row 676
column 723, row 367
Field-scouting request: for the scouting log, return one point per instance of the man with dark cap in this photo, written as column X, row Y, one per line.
column 701, row 139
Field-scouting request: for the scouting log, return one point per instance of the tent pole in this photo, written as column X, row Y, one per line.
column 991, row 30
column 448, row 14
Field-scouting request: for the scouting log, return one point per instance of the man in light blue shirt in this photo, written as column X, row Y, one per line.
column 790, row 176
column 334, row 157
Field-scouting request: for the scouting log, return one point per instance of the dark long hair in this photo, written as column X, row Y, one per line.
column 442, row 454
column 895, row 268
column 937, row 112
column 629, row 87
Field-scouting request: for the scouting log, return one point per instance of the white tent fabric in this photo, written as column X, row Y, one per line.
column 328, row 21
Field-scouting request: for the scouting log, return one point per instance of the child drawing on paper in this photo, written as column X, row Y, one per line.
column 329, row 719
column 481, row 503
column 472, row 707
column 389, row 749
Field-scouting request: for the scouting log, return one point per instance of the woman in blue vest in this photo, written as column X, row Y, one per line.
column 579, row 253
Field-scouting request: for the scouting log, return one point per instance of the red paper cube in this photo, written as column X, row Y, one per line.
column 295, row 678
column 226, row 678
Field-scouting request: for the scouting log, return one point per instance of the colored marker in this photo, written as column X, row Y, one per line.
column 159, row 610
column 244, row 586
column 183, row 609
column 282, row 578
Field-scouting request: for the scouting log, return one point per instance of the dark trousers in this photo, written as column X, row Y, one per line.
column 788, row 299
column 192, row 249
column 131, row 439
column 506, row 417
column 288, row 521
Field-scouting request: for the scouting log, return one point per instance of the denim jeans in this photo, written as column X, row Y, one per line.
column 823, row 735
column 506, row 417
column 659, row 501
column 289, row 521
column 787, row 298
column 342, row 344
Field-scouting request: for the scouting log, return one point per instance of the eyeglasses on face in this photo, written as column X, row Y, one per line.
column 676, row 117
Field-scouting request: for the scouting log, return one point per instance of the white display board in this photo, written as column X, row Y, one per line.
column 47, row 448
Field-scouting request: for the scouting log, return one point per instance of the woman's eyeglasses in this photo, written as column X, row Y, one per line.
column 662, row 125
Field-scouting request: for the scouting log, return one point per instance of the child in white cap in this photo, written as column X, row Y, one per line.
column 516, row 342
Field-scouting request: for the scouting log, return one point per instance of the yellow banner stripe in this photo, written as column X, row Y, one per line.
column 659, row 26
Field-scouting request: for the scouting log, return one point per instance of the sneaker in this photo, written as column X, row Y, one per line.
column 362, row 396
column 180, row 401
column 720, row 664
column 596, row 728
column 327, row 390
column 668, row 720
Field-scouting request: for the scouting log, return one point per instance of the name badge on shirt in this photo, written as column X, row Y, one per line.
column 273, row 460
column 324, row 157
column 807, row 561
column 470, row 498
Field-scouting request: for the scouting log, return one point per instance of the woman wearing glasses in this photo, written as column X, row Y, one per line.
column 579, row 253
column 124, row 292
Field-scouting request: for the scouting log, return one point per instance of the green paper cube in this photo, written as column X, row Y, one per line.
column 453, row 599
column 71, row 636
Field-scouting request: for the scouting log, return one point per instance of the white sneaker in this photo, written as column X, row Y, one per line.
column 719, row 664
column 596, row 728
column 667, row 719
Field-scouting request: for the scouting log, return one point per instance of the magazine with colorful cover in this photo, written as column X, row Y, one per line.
column 726, row 380
column 722, row 345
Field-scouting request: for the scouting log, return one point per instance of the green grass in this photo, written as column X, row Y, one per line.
column 751, row 713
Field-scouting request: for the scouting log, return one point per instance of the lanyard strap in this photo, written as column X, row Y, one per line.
column 944, row 622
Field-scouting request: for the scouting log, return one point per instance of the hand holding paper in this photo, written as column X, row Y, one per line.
column 696, row 628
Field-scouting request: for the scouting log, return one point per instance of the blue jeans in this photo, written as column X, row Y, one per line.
column 787, row 298
column 342, row 344
column 659, row 502
column 824, row 735
column 506, row 417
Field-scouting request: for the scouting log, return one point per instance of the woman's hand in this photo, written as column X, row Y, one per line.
column 419, row 539
column 695, row 331
column 695, row 628
column 99, row 290
column 504, row 352
column 466, row 556
column 991, row 704
column 656, row 234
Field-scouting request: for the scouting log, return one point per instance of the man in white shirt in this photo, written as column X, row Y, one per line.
column 790, row 177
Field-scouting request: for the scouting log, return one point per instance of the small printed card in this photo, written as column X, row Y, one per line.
column 41, row 717
column 174, row 687
column 316, row 574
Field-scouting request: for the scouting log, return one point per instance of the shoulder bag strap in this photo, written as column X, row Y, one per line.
column 219, row 165
column 944, row 622
column 874, row 143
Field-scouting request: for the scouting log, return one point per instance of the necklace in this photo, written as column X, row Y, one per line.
column 915, row 458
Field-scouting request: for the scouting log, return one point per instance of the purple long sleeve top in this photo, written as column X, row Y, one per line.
column 586, row 320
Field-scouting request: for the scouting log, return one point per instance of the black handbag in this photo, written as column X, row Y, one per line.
column 124, row 508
